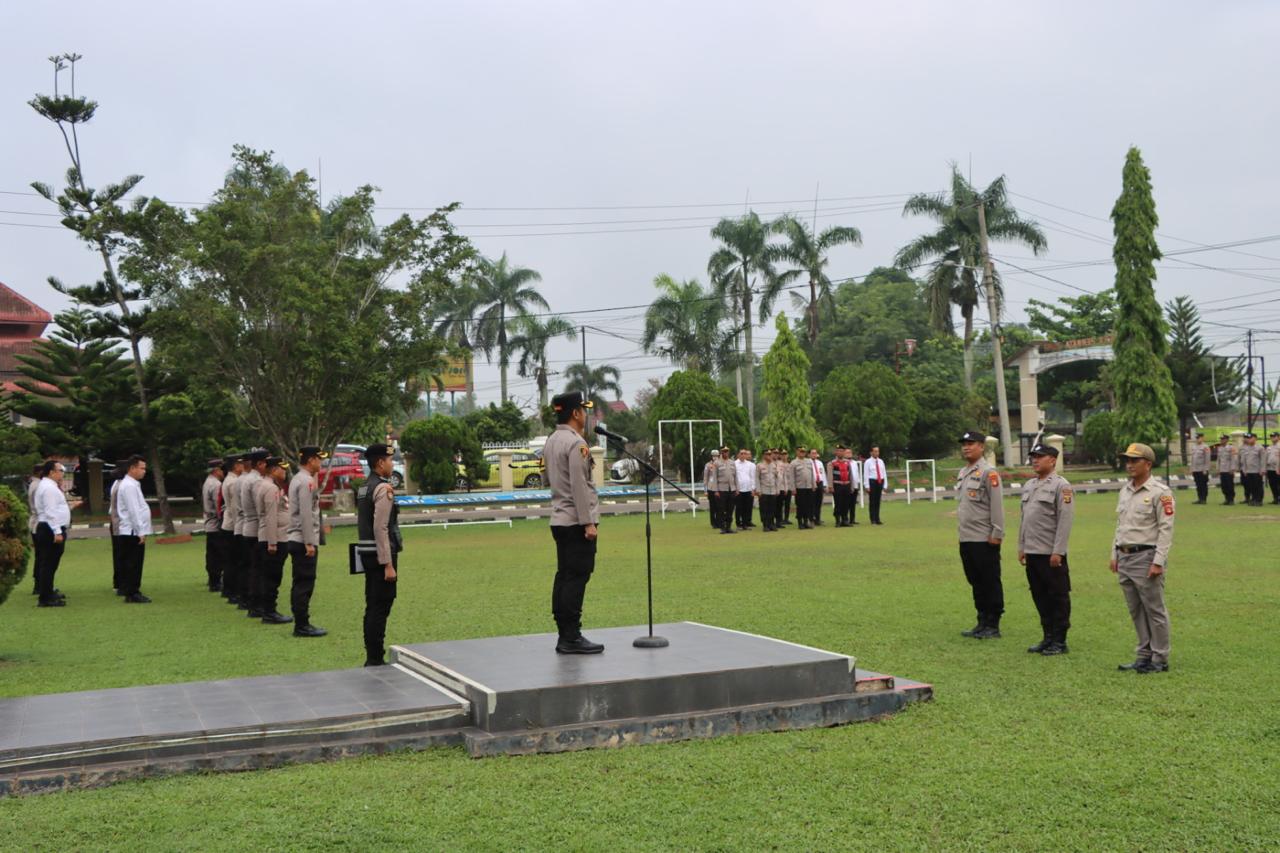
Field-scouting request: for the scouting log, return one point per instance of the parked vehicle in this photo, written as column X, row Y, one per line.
column 397, row 462
column 527, row 470
column 340, row 469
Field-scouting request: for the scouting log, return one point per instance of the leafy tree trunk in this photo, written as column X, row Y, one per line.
column 813, row 310
column 542, row 387
column 968, row 348
column 749, row 361
column 502, row 353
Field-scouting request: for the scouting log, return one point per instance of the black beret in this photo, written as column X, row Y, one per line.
column 1044, row 450
column 570, row 400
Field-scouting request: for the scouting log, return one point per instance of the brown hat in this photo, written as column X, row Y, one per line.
column 1139, row 451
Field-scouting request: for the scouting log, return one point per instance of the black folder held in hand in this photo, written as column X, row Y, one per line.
column 362, row 556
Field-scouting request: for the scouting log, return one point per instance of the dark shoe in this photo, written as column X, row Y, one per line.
column 972, row 631
column 1149, row 667
column 51, row 602
column 255, row 613
column 215, row 587
column 987, row 632
column 375, row 662
column 723, row 532
column 136, row 598
column 276, row 618
column 308, row 630
column 231, row 599
column 1055, row 649
column 877, row 522
column 852, row 523
column 1135, row 666
column 1040, row 646
column 579, row 646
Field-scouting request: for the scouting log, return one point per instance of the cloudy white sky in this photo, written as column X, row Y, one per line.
column 598, row 142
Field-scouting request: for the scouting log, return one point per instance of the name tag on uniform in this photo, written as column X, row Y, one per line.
column 362, row 555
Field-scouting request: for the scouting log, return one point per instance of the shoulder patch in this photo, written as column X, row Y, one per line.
column 586, row 451
column 1066, row 495
column 993, row 477
column 1167, row 502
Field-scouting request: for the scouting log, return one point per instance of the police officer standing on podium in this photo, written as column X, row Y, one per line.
column 1047, row 514
column 377, row 521
column 575, row 512
column 981, row 526
column 1200, row 468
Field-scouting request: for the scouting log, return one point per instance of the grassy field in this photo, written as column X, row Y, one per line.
column 1016, row 752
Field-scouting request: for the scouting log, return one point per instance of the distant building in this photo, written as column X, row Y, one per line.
column 618, row 406
column 22, row 326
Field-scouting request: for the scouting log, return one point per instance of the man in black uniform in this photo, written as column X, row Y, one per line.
column 575, row 512
column 377, row 521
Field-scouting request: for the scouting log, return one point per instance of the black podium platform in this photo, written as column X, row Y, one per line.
column 498, row 695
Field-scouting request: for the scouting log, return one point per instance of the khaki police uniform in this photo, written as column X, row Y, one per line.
column 1144, row 535
column 767, row 481
column 708, row 477
column 802, row 475
column 786, row 490
column 1200, row 457
column 303, row 533
column 1048, row 510
column 230, row 543
column 211, row 502
column 980, row 518
column 272, row 512
column 574, row 506
column 1273, row 468
column 1228, row 465
column 724, row 485
column 247, row 505
column 1253, row 461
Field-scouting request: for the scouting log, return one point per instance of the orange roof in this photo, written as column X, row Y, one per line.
column 16, row 308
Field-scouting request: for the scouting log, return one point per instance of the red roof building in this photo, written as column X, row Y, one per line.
column 22, row 325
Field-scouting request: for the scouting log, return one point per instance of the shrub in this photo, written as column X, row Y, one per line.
column 15, row 541
column 432, row 443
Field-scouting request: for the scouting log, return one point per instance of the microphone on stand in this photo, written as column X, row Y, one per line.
column 600, row 430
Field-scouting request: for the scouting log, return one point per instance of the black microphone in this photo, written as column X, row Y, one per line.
column 600, row 430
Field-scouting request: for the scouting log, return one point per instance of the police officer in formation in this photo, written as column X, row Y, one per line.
column 802, row 475
column 1140, row 554
column 234, row 468
column 1228, row 465
column 377, row 519
column 251, row 562
column 304, row 538
column 1273, row 467
column 708, row 478
column 767, row 483
column 786, row 485
column 744, row 470
column 1047, row 513
column 724, row 490
column 272, row 506
column 1253, row 461
column 211, row 502
column 1200, row 458
column 980, row 515
column 575, row 514
column 842, row 473
column 820, row 485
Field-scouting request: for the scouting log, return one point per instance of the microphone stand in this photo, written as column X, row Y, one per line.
column 649, row 641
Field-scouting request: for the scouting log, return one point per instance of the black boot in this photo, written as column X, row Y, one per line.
column 1039, row 647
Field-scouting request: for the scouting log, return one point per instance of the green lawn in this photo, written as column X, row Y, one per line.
column 1016, row 752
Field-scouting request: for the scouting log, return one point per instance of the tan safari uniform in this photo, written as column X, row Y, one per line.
column 1144, row 534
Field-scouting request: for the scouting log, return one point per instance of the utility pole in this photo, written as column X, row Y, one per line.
column 1248, row 372
column 586, row 372
column 989, row 276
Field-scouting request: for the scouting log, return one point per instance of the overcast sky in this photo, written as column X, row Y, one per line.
column 616, row 134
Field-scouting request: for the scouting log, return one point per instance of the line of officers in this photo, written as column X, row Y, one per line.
column 1251, row 462
column 778, row 481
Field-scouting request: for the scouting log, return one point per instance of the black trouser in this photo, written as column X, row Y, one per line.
column 379, row 595
column 745, row 506
column 804, row 505
column 132, row 555
column 724, row 508
column 1227, row 482
column 784, row 506
column 304, row 582
column 270, row 573
column 1253, row 488
column 117, row 560
column 214, row 557
column 840, row 500
column 769, row 511
column 875, row 490
column 1273, row 479
column 981, row 561
column 255, row 572
column 575, row 561
column 48, row 557
column 1202, row 485
column 230, row 564
column 853, row 506
column 712, row 515
column 1051, row 592
column 815, row 512
column 35, row 563
column 244, row 560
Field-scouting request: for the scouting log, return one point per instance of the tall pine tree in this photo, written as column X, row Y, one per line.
column 789, row 422
column 1202, row 382
column 1145, row 408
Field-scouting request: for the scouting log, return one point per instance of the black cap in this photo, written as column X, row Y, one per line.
column 374, row 452
column 273, row 461
column 570, row 400
column 1044, row 450
column 1249, row 435
column 841, row 447
column 1275, row 435
column 306, row 454
column 256, row 456
column 215, row 463
column 973, row 435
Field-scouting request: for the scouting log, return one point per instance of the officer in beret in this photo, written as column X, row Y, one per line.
column 1200, row 453
column 304, row 538
column 377, row 520
column 840, row 471
column 575, row 512
column 1144, row 535
column 1253, row 461
column 1047, row 513
column 211, row 499
column 980, row 515
column 1273, row 467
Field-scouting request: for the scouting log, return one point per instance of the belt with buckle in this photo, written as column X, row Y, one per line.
column 1134, row 549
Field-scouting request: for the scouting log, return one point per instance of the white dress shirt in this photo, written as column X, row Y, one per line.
column 872, row 469
column 819, row 474
column 746, row 475
column 855, row 474
column 51, row 505
column 131, row 506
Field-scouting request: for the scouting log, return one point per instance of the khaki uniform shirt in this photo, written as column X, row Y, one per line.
column 767, row 478
column 1048, row 510
column 573, row 496
column 1200, row 458
column 726, row 477
column 802, row 473
column 1252, row 459
column 272, row 506
column 384, row 501
column 209, row 494
column 248, row 503
column 708, row 476
column 980, row 513
column 1273, row 457
column 1144, row 516
column 786, row 477
column 304, row 509
column 1228, row 459
column 229, row 508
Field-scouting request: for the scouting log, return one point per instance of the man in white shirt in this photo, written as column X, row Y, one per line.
column 135, row 527
column 53, row 518
column 33, row 482
column 746, row 488
column 874, row 477
column 819, row 486
column 117, row 541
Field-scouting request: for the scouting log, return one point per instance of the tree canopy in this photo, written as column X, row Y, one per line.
column 690, row 395
column 789, row 422
column 866, row 404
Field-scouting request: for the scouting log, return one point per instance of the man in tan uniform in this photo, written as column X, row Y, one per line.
column 1228, row 465
column 271, row 509
column 1273, row 467
column 1200, row 454
column 1253, row 461
column 211, row 503
column 767, row 484
column 802, row 475
column 724, row 486
column 786, row 485
column 708, row 477
column 234, row 467
column 575, row 512
column 1144, row 534
column 980, row 517
column 1047, row 513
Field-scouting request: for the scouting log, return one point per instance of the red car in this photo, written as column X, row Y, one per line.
column 339, row 470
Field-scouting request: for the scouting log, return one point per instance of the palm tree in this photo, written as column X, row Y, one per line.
column 455, row 322
column 690, row 323
column 593, row 382
column 531, row 338
column 955, row 252
column 744, row 259
column 809, row 254
column 503, row 293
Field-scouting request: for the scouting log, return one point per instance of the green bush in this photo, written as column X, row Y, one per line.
column 15, row 541
column 1099, row 439
column 431, row 444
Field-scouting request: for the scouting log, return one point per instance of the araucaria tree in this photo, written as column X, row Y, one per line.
column 786, row 389
column 1145, row 407
column 1202, row 381
column 97, row 218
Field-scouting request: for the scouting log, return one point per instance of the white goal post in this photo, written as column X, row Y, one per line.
column 694, row 480
column 933, row 477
